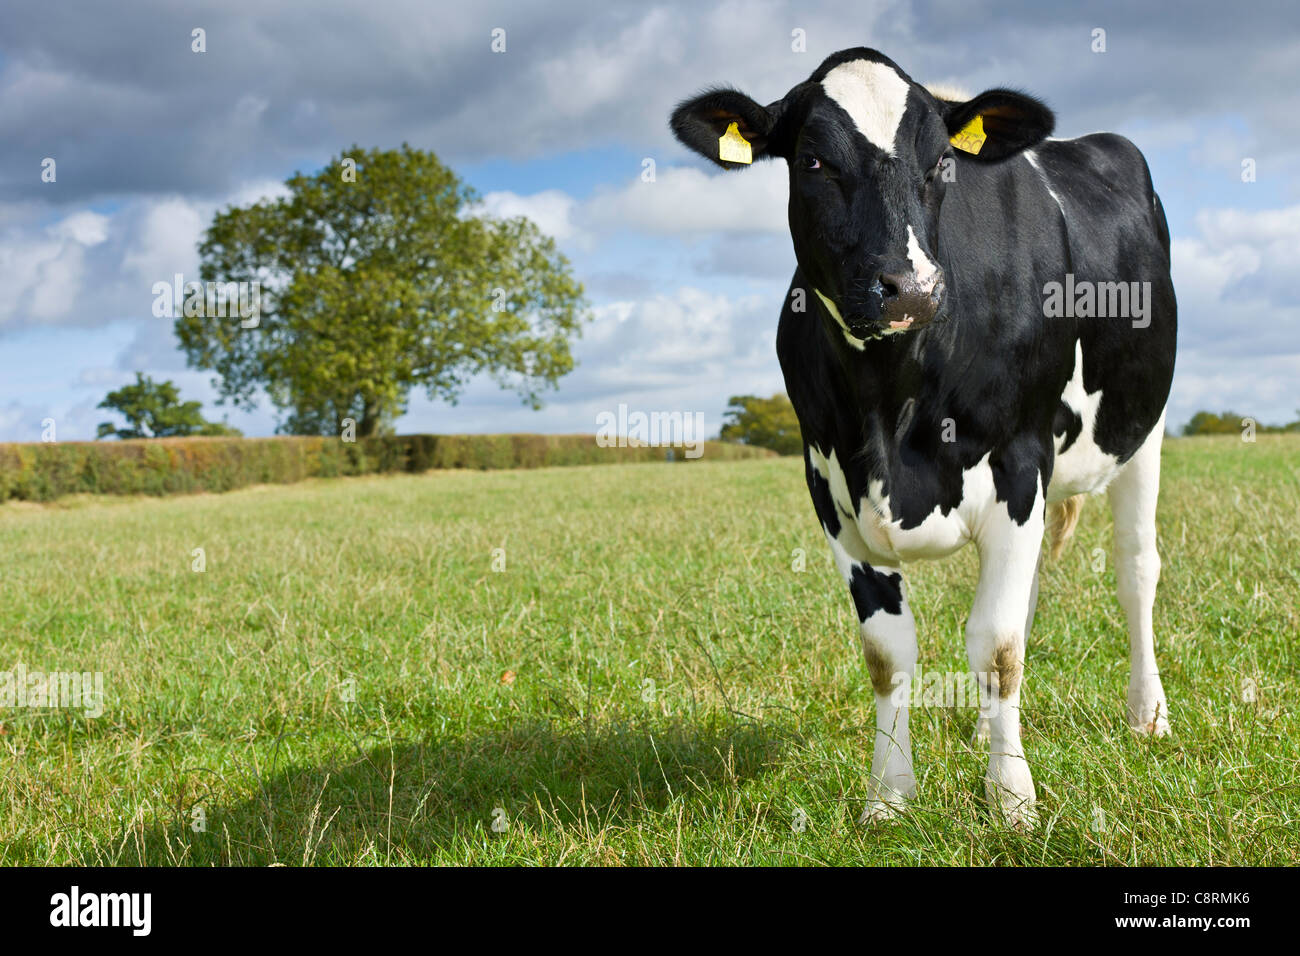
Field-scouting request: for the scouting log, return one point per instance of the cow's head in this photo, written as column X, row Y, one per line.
column 868, row 150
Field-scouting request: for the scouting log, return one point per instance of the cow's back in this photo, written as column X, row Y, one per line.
column 1118, row 233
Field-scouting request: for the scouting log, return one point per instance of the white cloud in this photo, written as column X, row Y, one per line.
column 1264, row 387
column 685, row 350
column 91, row 269
column 683, row 201
column 676, row 338
column 551, row 210
column 1239, row 323
column 165, row 240
column 1237, row 275
column 84, row 228
column 42, row 270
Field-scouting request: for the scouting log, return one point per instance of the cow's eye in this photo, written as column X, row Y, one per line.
column 811, row 162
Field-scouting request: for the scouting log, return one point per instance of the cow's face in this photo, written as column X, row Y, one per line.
column 870, row 156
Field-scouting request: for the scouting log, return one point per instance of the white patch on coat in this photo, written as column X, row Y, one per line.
column 1083, row 468
column 833, row 309
column 829, row 469
column 1033, row 161
column 923, row 266
column 874, row 96
column 939, row 534
column 887, row 541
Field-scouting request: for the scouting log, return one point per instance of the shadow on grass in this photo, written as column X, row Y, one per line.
column 437, row 799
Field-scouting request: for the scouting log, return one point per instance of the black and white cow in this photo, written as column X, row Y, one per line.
column 944, row 393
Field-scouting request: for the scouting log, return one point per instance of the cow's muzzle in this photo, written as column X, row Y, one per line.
column 908, row 302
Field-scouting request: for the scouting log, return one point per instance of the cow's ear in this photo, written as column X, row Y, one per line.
column 704, row 124
column 997, row 124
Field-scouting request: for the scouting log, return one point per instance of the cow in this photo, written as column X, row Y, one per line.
column 963, row 366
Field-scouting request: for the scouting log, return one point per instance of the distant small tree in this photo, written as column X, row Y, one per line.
column 155, row 410
column 1208, row 423
column 765, row 422
column 1229, row 423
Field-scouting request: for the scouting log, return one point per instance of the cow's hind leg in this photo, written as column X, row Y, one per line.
column 995, row 647
column 1133, row 496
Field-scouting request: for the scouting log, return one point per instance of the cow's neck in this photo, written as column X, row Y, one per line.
column 876, row 391
column 884, row 373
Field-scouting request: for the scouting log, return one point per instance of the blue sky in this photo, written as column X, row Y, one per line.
column 685, row 274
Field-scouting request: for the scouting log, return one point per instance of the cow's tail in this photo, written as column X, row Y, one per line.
column 1061, row 519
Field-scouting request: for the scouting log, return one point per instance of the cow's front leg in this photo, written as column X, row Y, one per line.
column 888, row 641
column 981, row 735
column 889, row 646
column 995, row 647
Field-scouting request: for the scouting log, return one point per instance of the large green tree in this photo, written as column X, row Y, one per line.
column 766, row 422
column 155, row 410
column 379, row 274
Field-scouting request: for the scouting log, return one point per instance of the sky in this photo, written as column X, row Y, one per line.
column 685, row 274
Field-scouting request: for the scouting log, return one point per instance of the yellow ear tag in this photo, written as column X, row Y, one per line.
column 733, row 147
column 971, row 136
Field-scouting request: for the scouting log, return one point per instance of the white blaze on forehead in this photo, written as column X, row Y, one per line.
column 873, row 95
column 922, row 265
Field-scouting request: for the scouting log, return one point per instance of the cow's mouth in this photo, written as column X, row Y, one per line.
column 863, row 328
column 896, row 318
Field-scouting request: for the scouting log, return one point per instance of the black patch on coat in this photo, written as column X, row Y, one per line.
column 820, row 490
column 874, row 591
column 1069, row 423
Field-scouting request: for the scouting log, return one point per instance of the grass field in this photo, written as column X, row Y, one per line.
column 648, row 680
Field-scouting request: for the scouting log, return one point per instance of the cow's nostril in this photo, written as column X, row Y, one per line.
column 889, row 285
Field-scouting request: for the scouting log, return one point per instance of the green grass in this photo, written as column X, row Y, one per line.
column 226, row 689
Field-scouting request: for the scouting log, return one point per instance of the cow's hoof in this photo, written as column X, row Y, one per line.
column 885, row 802
column 1154, row 726
column 1148, row 711
column 879, row 811
column 1011, row 795
column 1022, row 817
column 1149, row 718
column 980, row 737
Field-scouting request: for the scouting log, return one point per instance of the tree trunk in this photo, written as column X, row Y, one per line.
column 369, row 420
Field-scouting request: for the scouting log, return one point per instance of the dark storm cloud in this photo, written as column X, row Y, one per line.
column 115, row 95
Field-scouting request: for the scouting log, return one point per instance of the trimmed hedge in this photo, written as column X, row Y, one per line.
column 165, row 466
